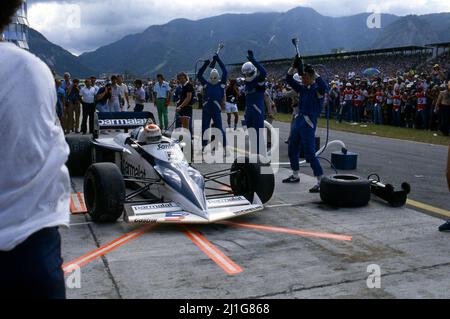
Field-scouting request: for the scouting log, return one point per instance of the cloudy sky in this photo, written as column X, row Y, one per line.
column 84, row 25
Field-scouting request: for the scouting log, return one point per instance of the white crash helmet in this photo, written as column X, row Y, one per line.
column 149, row 134
column 249, row 71
column 214, row 77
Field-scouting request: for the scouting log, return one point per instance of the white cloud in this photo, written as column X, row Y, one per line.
column 83, row 25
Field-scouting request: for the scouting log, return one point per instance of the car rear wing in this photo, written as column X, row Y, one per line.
column 120, row 120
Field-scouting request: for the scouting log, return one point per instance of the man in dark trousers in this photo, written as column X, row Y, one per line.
column 88, row 100
column 255, row 86
column 214, row 96
column 311, row 94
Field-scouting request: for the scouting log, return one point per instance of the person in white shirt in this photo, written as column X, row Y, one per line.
column 88, row 100
column 124, row 94
column 161, row 90
column 34, row 181
column 94, row 83
column 114, row 101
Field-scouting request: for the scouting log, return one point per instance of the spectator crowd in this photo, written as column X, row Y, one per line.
column 406, row 92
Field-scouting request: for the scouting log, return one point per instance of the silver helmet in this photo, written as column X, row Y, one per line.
column 214, row 77
column 249, row 71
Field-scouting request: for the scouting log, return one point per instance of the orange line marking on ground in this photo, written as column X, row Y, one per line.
column 82, row 204
column 212, row 252
column 290, row 231
column 105, row 249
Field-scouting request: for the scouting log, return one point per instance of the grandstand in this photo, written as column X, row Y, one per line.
column 390, row 61
column 441, row 56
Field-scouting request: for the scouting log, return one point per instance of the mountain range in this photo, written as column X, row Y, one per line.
column 57, row 58
column 179, row 44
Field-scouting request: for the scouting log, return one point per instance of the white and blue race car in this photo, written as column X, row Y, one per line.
column 165, row 187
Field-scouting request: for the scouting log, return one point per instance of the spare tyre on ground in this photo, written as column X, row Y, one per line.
column 345, row 190
column 80, row 157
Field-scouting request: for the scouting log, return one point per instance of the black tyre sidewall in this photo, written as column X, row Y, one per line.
column 80, row 157
column 345, row 193
column 255, row 182
column 106, row 204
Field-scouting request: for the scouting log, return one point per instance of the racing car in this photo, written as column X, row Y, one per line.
column 162, row 186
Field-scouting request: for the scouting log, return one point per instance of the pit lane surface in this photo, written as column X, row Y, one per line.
column 291, row 256
column 279, row 261
column 396, row 161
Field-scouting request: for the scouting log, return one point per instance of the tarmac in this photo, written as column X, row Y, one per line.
column 289, row 250
column 297, row 247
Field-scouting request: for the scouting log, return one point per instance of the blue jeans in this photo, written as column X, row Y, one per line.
column 396, row 117
column 421, row 119
column 346, row 111
column 378, row 114
column 114, row 107
column 33, row 270
column 357, row 114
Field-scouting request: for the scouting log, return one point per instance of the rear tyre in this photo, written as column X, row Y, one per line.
column 80, row 157
column 251, row 178
column 104, row 192
column 345, row 190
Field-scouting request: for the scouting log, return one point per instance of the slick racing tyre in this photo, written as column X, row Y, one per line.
column 104, row 192
column 250, row 178
column 344, row 190
column 80, row 157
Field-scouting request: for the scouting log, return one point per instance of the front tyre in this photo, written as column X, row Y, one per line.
column 104, row 192
column 249, row 178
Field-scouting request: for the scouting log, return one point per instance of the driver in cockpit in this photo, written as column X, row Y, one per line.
column 149, row 134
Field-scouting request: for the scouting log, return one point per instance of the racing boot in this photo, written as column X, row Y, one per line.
column 445, row 227
column 292, row 180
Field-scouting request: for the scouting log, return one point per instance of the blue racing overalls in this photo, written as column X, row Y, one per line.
column 305, row 124
column 214, row 96
column 254, row 100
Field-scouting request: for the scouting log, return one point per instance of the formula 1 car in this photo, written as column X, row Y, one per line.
column 165, row 187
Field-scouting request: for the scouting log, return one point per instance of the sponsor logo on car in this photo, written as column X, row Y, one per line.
column 132, row 170
column 226, row 200
column 248, row 210
column 155, row 206
column 122, row 122
column 145, row 221
column 177, row 216
column 165, row 146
